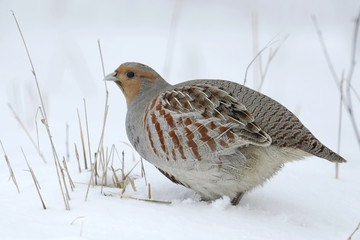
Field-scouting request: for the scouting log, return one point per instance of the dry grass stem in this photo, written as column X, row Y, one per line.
column 143, row 173
column 12, row 175
column 347, row 98
column 138, row 199
column 340, row 124
column 106, row 102
column 95, row 169
column 258, row 68
column 102, row 61
column 37, row 128
column 27, row 133
column 149, row 191
column 82, row 140
column 87, row 131
column 77, row 218
column 91, row 178
column 107, row 160
column 77, row 157
column 34, row 179
column 104, row 122
column 256, row 56
column 271, row 56
column 127, row 175
column 72, row 185
column 132, row 182
column 132, row 149
column 115, row 178
column 64, row 181
column 45, row 119
column 324, row 49
column 123, row 164
column 255, row 45
column 356, row 229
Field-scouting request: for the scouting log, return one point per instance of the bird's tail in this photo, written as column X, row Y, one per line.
column 324, row 152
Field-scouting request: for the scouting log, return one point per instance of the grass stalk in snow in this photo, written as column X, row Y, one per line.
column 77, row 218
column 138, row 199
column 27, row 133
column 149, row 191
column 340, row 124
column 143, row 173
column 123, row 164
column 258, row 68
column 82, row 140
column 271, row 56
column 12, row 175
column 116, row 180
column 77, row 157
column 347, row 99
column 90, row 180
column 71, row 183
column 256, row 56
column 37, row 128
column 45, row 119
column 87, row 131
column 99, row 153
column 356, row 229
column 105, row 167
column 64, row 181
column 102, row 62
column 34, row 179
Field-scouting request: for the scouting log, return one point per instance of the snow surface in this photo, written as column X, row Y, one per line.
column 213, row 40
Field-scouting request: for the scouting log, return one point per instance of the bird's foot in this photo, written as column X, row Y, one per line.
column 235, row 201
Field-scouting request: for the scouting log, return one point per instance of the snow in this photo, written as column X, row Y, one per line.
column 213, row 40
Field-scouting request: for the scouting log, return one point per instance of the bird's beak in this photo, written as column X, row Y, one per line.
column 111, row 77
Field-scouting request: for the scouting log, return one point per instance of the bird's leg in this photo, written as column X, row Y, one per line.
column 235, row 201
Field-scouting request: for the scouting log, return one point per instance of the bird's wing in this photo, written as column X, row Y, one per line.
column 195, row 120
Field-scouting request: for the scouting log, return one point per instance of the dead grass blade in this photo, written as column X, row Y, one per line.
column 356, row 229
column 77, row 157
column 82, row 140
column 77, row 218
column 347, row 100
column 45, row 119
column 138, row 199
column 143, row 173
column 149, row 191
column 72, row 185
column 12, row 175
column 87, row 131
column 271, row 42
column 65, row 186
column 27, row 133
column 34, row 179
column 91, row 178
column 340, row 124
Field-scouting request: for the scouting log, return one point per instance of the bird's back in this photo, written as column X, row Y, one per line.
column 282, row 125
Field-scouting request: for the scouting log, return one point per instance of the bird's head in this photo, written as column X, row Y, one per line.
column 136, row 80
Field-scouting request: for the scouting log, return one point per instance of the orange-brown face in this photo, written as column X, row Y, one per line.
column 129, row 81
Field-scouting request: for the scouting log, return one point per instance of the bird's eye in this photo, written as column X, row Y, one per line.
column 130, row 74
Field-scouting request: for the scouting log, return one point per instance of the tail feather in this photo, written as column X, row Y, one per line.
column 326, row 153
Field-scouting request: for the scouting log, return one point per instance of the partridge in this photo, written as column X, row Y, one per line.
column 216, row 137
